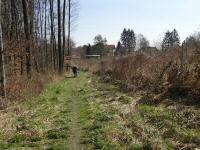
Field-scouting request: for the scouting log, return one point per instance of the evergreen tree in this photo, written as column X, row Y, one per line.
column 175, row 39
column 166, row 41
column 128, row 39
column 171, row 40
column 124, row 38
column 119, row 48
column 88, row 49
column 131, row 41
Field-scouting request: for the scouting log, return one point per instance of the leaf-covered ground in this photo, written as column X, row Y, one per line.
column 85, row 114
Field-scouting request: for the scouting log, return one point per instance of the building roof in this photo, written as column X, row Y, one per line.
column 93, row 55
column 110, row 46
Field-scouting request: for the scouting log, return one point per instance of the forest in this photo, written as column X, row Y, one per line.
column 35, row 37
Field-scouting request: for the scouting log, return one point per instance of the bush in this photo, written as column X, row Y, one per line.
column 158, row 74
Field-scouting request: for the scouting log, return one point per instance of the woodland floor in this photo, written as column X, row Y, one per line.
column 85, row 114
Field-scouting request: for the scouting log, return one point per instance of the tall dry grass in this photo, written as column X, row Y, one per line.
column 159, row 74
column 21, row 88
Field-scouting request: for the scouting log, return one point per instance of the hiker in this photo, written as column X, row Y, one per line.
column 75, row 71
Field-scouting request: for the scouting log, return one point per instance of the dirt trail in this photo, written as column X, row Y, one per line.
column 75, row 127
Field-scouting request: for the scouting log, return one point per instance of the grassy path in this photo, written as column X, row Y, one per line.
column 85, row 114
column 75, row 126
column 50, row 121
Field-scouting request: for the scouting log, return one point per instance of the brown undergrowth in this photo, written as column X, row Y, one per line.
column 21, row 88
column 158, row 76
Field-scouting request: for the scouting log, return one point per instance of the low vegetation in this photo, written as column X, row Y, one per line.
column 158, row 76
column 91, row 114
column 117, row 121
column 20, row 88
column 38, row 123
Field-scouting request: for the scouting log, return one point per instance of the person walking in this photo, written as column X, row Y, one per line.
column 75, row 71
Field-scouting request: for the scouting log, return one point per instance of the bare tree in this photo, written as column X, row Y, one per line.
column 14, row 19
column 59, row 38
column 45, row 35
column 27, row 36
column 142, row 42
column 69, row 26
column 53, row 41
column 2, row 60
column 64, row 13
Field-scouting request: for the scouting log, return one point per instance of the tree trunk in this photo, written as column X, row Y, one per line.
column 14, row 20
column 64, row 12
column 2, row 60
column 27, row 36
column 45, row 36
column 69, row 27
column 42, row 58
column 31, row 18
column 53, row 46
column 59, row 39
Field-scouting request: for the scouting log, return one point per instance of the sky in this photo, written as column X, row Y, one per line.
column 152, row 18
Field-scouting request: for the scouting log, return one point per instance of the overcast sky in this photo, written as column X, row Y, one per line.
column 150, row 17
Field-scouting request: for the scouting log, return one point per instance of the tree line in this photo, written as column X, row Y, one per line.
column 98, row 48
column 33, row 36
column 129, row 41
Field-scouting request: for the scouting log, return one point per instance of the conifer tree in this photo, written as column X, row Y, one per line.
column 171, row 40
column 128, row 40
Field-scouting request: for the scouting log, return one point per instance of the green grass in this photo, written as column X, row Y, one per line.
column 108, row 125
column 84, row 113
column 42, row 122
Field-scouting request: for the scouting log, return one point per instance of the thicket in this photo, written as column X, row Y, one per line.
column 168, row 74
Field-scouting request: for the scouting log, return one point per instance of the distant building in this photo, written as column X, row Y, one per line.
column 81, row 52
column 111, row 49
column 93, row 56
